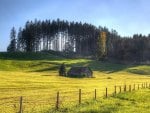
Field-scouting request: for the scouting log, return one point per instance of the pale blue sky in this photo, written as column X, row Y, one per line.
column 126, row 16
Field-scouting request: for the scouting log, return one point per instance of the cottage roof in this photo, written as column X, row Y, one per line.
column 79, row 69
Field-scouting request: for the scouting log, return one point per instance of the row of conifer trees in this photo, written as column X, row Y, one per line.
column 84, row 38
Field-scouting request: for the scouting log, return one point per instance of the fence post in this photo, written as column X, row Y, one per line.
column 20, row 108
column 138, row 87
column 95, row 94
column 79, row 96
column 130, row 88
column 125, row 88
column 106, row 93
column 115, row 90
column 120, row 89
column 57, row 101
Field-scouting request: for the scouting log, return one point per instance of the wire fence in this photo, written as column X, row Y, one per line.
column 26, row 104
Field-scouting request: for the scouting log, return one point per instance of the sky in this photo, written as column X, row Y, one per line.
column 127, row 17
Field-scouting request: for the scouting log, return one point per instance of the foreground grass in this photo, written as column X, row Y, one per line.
column 130, row 102
column 35, row 77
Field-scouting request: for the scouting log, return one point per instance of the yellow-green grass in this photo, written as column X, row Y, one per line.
column 129, row 102
column 37, row 81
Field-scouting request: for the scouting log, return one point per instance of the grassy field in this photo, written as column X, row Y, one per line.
column 135, row 102
column 35, row 77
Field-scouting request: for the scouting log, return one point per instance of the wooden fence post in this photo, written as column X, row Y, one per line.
column 79, row 96
column 120, row 89
column 57, row 101
column 130, row 88
column 125, row 88
column 95, row 94
column 20, row 108
column 138, row 87
column 106, row 93
column 115, row 91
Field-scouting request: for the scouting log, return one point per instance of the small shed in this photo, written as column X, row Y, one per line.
column 80, row 72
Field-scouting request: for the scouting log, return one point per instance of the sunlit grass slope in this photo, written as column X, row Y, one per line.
column 35, row 77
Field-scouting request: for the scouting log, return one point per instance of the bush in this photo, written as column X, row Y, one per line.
column 62, row 70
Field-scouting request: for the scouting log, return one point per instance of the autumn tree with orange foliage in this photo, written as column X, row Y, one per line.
column 102, row 46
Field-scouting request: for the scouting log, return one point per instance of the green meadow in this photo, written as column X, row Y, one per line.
column 135, row 102
column 35, row 77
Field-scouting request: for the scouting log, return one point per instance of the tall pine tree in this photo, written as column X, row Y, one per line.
column 12, row 45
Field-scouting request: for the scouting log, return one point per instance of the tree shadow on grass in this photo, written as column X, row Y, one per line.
column 99, row 66
column 103, row 66
column 94, row 65
column 140, row 71
column 45, row 63
column 54, row 68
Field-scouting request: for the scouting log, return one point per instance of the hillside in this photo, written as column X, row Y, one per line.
column 35, row 77
column 43, row 60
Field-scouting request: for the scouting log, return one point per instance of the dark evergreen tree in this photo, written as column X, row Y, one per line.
column 12, row 45
column 60, row 35
column 62, row 70
column 19, row 40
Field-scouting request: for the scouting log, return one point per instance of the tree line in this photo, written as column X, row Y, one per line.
column 81, row 38
column 38, row 35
